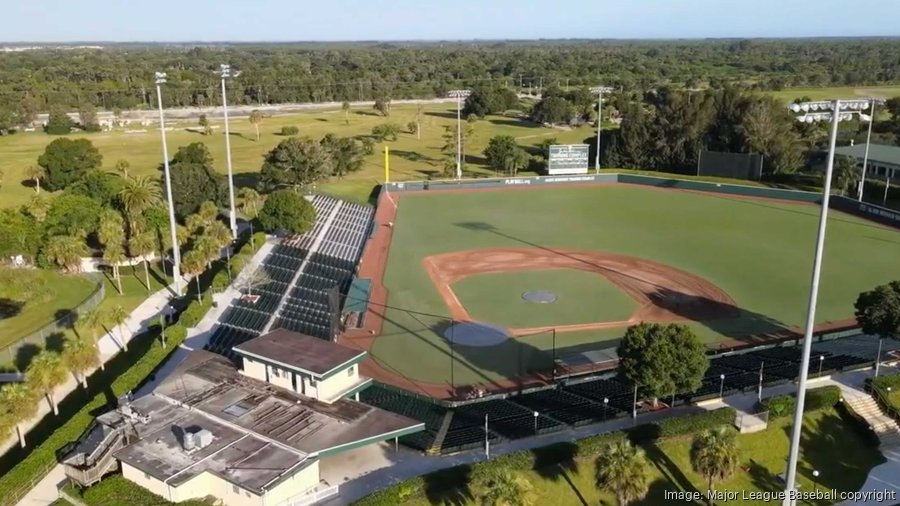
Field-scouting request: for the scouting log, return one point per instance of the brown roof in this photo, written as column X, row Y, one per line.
column 299, row 351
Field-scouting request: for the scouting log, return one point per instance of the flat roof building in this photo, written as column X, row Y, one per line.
column 211, row 429
column 883, row 161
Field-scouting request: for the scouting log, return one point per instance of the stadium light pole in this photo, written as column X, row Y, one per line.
column 225, row 73
column 459, row 95
column 160, row 79
column 839, row 110
column 599, row 90
column 862, row 179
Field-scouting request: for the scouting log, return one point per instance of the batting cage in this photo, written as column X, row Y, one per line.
column 730, row 165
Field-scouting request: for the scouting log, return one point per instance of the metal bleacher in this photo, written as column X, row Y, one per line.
column 301, row 301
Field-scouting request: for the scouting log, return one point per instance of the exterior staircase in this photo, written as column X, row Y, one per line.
column 886, row 428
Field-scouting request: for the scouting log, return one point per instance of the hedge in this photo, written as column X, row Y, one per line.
column 175, row 333
column 539, row 458
column 289, row 130
column 117, row 490
column 887, row 380
column 816, row 399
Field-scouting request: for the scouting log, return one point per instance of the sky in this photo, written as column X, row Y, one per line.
column 323, row 20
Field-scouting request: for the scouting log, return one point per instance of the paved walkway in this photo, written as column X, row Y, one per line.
column 46, row 491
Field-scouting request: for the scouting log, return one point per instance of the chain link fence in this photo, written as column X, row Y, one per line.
column 39, row 337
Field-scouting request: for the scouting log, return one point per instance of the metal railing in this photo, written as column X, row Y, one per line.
column 881, row 399
column 16, row 495
column 314, row 497
column 39, row 337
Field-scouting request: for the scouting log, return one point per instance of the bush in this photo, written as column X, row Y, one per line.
column 683, row 425
column 289, row 130
column 175, row 333
column 817, row 398
column 194, row 313
column 287, row 210
column 884, row 381
column 220, row 281
column 59, row 123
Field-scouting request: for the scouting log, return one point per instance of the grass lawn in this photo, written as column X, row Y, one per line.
column 886, row 91
column 115, row 490
column 759, row 252
column 45, row 295
column 583, row 297
column 830, row 444
column 411, row 158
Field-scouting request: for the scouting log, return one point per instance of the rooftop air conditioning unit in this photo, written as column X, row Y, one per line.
column 190, row 441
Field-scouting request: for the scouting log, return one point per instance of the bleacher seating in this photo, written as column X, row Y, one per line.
column 507, row 419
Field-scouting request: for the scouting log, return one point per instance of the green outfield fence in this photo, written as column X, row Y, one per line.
column 39, row 337
column 873, row 212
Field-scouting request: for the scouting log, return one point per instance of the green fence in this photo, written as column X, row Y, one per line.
column 39, row 337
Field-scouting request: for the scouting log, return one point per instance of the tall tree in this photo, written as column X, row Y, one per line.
column 662, row 359
column 768, row 127
column 80, row 355
column 142, row 245
column 122, row 166
column 23, row 235
column 74, row 215
column 111, row 233
column 256, row 117
column 296, row 161
column 345, row 106
column 622, row 469
column 92, row 321
column 46, row 372
column 66, row 252
column 383, row 105
column 846, row 174
column 38, row 208
column 420, row 109
column 715, row 455
column 192, row 264
column 65, row 160
column 195, row 180
column 249, row 203
column 139, row 194
column 35, row 173
column 117, row 316
column 504, row 155
column 346, row 154
column 878, row 310
column 19, row 401
column 287, row 210
column 87, row 117
column 58, row 122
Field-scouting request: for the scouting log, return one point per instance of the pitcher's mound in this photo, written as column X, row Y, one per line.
column 475, row 334
column 539, row 296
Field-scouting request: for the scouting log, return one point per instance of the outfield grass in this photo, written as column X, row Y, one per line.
column 582, row 298
column 412, row 158
column 759, row 252
column 830, row 444
column 46, row 296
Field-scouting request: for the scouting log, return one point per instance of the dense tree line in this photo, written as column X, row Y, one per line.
column 121, row 77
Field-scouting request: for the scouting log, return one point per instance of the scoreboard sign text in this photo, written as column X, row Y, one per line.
column 568, row 159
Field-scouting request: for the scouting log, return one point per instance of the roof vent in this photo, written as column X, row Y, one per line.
column 204, row 438
column 190, row 441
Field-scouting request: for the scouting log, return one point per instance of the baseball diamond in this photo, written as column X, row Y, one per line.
column 734, row 268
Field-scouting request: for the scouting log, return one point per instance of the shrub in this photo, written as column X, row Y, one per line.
column 682, row 425
column 220, row 281
column 194, row 313
column 175, row 333
column 238, row 262
column 884, row 381
column 289, row 130
column 287, row 210
column 816, row 399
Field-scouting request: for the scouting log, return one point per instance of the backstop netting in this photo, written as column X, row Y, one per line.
column 730, row 165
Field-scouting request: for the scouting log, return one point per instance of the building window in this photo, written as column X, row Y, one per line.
column 350, row 371
column 235, row 489
column 276, row 372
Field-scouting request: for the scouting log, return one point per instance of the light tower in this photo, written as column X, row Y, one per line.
column 160, row 79
column 459, row 95
column 599, row 90
column 834, row 111
column 225, row 73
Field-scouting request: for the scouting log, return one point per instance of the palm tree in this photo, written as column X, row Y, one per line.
column 93, row 320
column 219, row 234
column 38, row 207
column 66, row 252
column 256, row 118
column 122, row 166
column 19, row 401
column 142, row 245
column 503, row 488
column 346, row 108
column 622, row 469
column 117, row 316
column 192, row 264
column 250, row 204
column 715, row 454
column 35, row 173
column 46, row 372
column 846, row 174
column 208, row 212
column 111, row 233
column 80, row 355
column 138, row 195
column 419, row 109
column 208, row 248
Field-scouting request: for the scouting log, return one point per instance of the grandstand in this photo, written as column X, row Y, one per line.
column 307, row 276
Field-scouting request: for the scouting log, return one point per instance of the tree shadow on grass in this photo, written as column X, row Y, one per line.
column 413, row 156
column 669, row 470
column 449, row 486
column 447, row 115
column 10, row 308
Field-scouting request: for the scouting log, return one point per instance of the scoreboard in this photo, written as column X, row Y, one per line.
column 568, row 159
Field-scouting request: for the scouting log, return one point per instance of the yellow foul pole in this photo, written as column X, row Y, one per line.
column 387, row 164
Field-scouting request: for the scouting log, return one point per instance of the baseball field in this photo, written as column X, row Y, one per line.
column 600, row 258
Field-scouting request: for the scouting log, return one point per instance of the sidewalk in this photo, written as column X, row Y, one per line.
column 46, row 491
